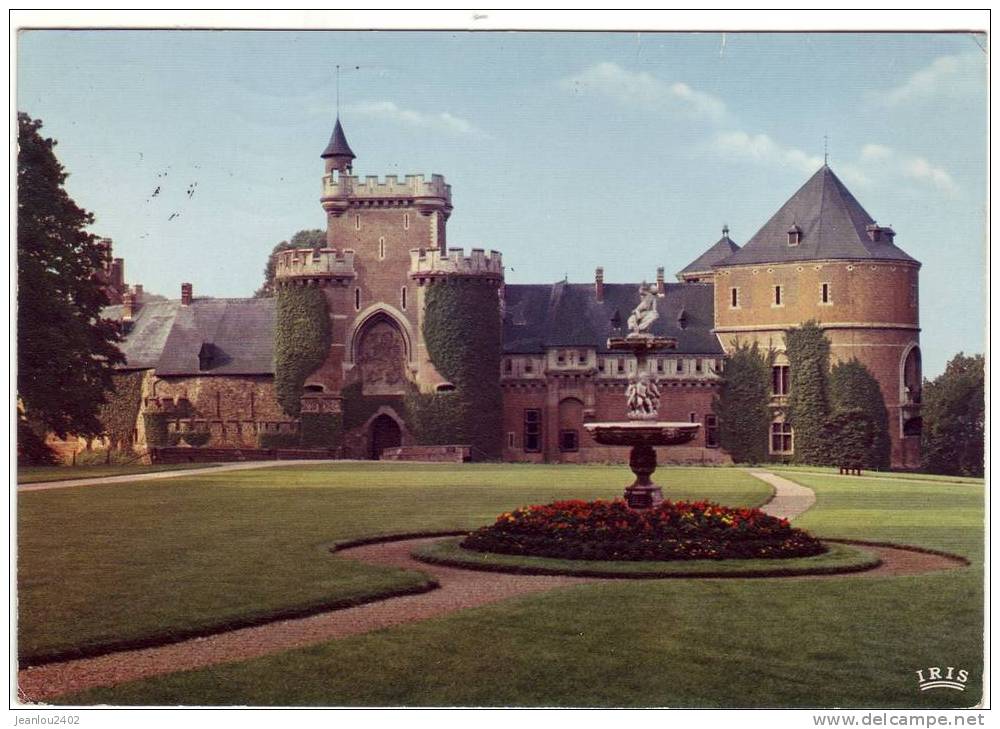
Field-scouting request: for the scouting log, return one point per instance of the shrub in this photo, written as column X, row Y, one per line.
column 278, row 440
column 808, row 352
column 743, row 403
column 321, row 430
column 849, row 435
column 670, row 531
column 196, row 438
column 853, row 386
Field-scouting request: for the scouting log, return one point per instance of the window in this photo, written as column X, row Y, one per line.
column 406, row 221
column 508, row 366
column 824, row 293
column 532, row 431
column 357, row 222
column 711, row 431
column 569, row 441
column 692, row 417
column 659, row 366
column 697, row 365
column 777, row 296
column 794, row 235
column 402, row 298
column 357, row 299
column 779, row 380
column 913, row 295
column 381, row 249
column 621, row 365
column 600, row 365
column 511, row 440
column 781, row 438
column 581, row 358
column 680, row 366
column 561, row 358
column 734, row 298
column 528, row 367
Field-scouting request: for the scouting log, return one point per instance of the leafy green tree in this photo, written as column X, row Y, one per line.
column 954, row 418
column 849, row 435
column 743, row 403
column 66, row 351
column 808, row 352
column 314, row 238
column 853, row 386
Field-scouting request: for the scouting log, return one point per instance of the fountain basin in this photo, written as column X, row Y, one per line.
column 642, row 433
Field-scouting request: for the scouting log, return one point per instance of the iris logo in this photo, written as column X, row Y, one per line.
column 936, row 677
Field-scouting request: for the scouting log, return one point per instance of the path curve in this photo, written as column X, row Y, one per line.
column 789, row 500
column 459, row 589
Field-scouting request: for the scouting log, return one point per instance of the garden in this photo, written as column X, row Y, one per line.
column 105, row 567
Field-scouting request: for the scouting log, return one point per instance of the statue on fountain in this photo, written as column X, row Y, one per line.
column 642, row 398
column 644, row 314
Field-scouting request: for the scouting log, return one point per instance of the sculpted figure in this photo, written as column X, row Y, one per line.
column 642, row 398
column 645, row 313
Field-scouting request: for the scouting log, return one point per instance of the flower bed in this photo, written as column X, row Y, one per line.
column 609, row 530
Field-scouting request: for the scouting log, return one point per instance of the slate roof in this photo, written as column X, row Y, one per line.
column 833, row 226
column 563, row 314
column 720, row 250
column 168, row 336
column 338, row 146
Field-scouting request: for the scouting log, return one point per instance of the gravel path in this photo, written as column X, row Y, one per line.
column 154, row 475
column 790, row 499
column 460, row 589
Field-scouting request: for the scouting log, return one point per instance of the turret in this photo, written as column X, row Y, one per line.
column 338, row 153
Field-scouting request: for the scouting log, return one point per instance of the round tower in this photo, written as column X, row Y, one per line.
column 823, row 258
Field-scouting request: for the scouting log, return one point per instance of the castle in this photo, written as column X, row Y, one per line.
column 210, row 364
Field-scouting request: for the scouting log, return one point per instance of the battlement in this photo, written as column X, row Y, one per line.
column 314, row 263
column 430, row 263
column 373, row 187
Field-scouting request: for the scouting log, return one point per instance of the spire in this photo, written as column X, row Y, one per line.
column 338, row 151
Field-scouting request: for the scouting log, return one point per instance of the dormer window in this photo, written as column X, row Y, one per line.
column 794, row 235
column 682, row 319
column 206, row 356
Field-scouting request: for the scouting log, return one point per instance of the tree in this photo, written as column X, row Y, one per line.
column 743, row 403
column 808, row 352
column 849, row 435
column 314, row 238
column 66, row 351
column 853, row 386
column 954, row 418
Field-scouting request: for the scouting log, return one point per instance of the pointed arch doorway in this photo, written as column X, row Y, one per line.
column 385, row 433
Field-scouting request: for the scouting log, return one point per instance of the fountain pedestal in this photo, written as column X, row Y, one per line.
column 643, row 431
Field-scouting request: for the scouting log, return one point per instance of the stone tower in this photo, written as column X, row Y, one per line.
column 385, row 243
column 822, row 257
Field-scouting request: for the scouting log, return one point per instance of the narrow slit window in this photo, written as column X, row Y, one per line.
column 357, row 222
column 406, row 221
column 734, row 297
column 381, row 249
column 402, row 298
column 357, row 299
column 825, row 293
column 777, row 296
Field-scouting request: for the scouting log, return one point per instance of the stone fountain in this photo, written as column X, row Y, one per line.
column 643, row 430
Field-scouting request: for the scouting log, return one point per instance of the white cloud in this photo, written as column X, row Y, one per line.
column 645, row 90
column 946, row 75
column 440, row 121
column 909, row 166
column 761, row 148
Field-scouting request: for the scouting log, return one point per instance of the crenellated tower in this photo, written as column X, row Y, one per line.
column 386, row 245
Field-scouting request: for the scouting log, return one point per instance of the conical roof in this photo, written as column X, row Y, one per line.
column 720, row 250
column 338, row 146
column 832, row 222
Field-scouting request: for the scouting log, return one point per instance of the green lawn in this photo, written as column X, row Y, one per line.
column 99, row 565
column 851, row 641
column 39, row 474
column 906, row 475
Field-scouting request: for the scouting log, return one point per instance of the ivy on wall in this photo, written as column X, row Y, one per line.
column 321, row 430
column 853, row 387
column 462, row 331
column 808, row 352
column 849, row 434
column 743, row 403
column 358, row 408
column 119, row 412
column 301, row 342
column 157, row 435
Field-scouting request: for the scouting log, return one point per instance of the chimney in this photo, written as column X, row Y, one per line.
column 137, row 290
column 128, row 306
column 118, row 274
column 187, row 294
column 599, row 284
column 661, row 288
